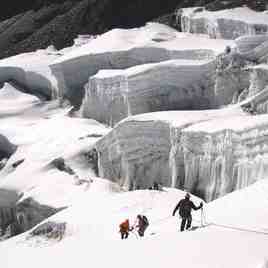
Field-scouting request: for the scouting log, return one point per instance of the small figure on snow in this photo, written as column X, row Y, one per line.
column 156, row 186
column 142, row 225
column 124, row 229
column 185, row 207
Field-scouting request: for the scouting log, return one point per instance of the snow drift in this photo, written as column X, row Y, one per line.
column 30, row 73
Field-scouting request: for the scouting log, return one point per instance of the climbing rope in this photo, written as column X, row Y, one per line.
column 205, row 223
column 238, row 228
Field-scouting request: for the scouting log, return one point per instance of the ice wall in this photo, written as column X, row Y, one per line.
column 163, row 147
column 135, row 154
column 231, row 79
column 112, row 95
column 225, row 24
column 257, row 94
column 253, row 48
column 225, row 155
column 122, row 49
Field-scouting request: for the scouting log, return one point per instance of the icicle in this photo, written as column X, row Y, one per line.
column 172, row 156
column 124, row 89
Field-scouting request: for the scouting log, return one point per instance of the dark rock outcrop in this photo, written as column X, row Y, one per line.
column 6, row 147
column 60, row 164
column 29, row 213
column 50, row 229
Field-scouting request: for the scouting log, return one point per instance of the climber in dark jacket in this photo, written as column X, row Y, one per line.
column 142, row 225
column 185, row 207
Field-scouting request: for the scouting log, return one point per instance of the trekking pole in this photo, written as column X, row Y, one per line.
column 202, row 217
column 133, row 232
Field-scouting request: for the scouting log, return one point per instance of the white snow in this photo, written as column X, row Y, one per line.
column 31, row 71
column 235, row 123
column 92, row 237
column 183, row 118
column 43, row 132
column 122, row 40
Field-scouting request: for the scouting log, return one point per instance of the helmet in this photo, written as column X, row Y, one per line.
column 227, row 49
column 187, row 195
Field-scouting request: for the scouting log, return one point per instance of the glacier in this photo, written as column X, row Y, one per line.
column 112, row 95
column 225, row 24
column 65, row 168
column 154, row 147
column 122, row 49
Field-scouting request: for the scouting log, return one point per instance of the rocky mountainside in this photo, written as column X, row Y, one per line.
column 36, row 24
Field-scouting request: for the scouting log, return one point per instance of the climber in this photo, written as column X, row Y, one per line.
column 227, row 50
column 185, row 206
column 156, row 186
column 124, row 229
column 142, row 225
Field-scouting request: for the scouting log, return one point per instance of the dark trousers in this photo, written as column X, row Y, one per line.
column 186, row 221
column 142, row 230
column 124, row 235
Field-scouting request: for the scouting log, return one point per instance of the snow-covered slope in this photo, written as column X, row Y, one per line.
column 92, row 236
column 42, row 133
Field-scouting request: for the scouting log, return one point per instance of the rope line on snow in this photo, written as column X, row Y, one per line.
column 203, row 220
column 237, row 228
column 205, row 223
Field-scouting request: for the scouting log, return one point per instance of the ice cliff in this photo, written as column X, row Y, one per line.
column 225, row 24
column 121, row 49
column 112, row 95
column 155, row 147
column 224, row 155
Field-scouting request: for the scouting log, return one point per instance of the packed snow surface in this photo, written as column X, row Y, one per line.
column 152, row 35
column 43, row 131
column 92, row 232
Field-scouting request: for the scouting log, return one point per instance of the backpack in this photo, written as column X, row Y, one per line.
column 145, row 220
column 185, row 209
